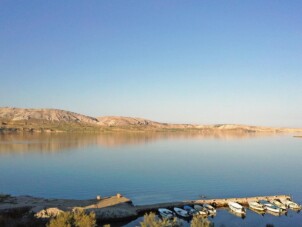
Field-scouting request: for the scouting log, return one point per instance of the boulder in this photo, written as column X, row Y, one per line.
column 48, row 213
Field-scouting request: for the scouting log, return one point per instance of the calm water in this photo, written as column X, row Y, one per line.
column 156, row 167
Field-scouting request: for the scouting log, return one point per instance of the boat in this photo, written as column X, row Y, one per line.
column 236, row 207
column 181, row 212
column 201, row 210
column 278, row 203
column 190, row 210
column 277, row 214
column 290, row 204
column 270, row 207
column 256, row 206
column 239, row 215
column 260, row 212
column 166, row 213
column 211, row 209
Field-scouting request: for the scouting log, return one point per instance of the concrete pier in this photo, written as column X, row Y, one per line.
column 222, row 202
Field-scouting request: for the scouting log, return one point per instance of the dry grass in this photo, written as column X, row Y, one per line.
column 150, row 220
column 77, row 218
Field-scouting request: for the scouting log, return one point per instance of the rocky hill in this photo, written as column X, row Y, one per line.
column 52, row 115
column 127, row 121
column 18, row 119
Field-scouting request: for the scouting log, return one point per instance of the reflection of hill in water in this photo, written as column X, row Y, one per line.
column 23, row 143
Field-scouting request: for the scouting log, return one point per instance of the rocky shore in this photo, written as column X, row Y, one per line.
column 109, row 208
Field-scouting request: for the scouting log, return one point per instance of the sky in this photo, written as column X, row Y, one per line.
column 173, row 61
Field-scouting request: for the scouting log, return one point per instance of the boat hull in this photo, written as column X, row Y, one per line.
column 201, row 210
column 237, row 208
column 292, row 205
column 279, row 204
column 256, row 206
column 272, row 209
column 211, row 210
column 181, row 212
column 165, row 213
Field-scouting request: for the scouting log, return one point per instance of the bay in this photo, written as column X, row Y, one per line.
column 155, row 167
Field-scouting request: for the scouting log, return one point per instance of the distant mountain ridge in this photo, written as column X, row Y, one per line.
column 20, row 119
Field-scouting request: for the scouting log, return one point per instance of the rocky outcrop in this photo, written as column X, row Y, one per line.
column 114, row 207
column 48, row 213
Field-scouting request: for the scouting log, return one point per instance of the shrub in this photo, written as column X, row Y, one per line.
column 150, row 220
column 200, row 221
column 77, row 218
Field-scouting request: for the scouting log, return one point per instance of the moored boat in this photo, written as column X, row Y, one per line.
column 211, row 209
column 236, row 207
column 277, row 214
column 290, row 204
column 260, row 212
column 270, row 207
column 201, row 210
column 256, row 206
column 190, row 210
column 239, row 215
column 166, row 213
column 181, row 212
column 278, row 203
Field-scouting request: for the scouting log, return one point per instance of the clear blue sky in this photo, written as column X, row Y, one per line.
column 172, row 61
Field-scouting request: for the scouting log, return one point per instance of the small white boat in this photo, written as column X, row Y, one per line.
column 190, row 210
column 236, row 207
column 290, row 204
column 256, row 206
column 278, row 203
column 260, row 212
column 239, row 215
column 211, row 209
column 166, row 213
column 201, row 210
column 270, row 207
column 181, row 212
column 273, row 213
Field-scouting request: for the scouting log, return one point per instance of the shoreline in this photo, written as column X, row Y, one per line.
column 58, row 121
column 109, row 209
column 209, row 129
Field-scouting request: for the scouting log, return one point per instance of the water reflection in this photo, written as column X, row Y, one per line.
column 56, row 142
column 155, row 167
column 262, row 213
column 239, row 215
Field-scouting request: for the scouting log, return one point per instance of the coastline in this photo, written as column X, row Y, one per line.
column 108, row 209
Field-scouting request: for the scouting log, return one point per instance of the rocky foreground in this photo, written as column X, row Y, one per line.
column 53, row 120
column 114, row 207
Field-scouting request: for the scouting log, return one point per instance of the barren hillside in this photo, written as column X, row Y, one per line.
column 52, row 115
column 126, row 121
column 18, row 119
